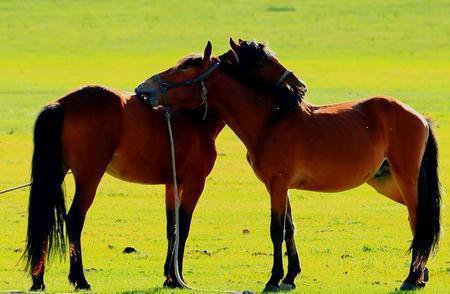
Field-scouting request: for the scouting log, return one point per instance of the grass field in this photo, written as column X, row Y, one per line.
column 351, row 242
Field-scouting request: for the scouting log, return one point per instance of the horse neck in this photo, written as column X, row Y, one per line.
column 215, row 123
column 246, row 111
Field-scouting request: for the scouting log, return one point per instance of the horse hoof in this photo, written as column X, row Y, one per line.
column 37, row 288
column 271, row 289
column 407, row 287
column 425, row 275
column 84, row 286
column 287, row 287
column 411, row 287
column 171, row 284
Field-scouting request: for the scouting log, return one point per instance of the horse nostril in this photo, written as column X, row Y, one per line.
column 138, row 89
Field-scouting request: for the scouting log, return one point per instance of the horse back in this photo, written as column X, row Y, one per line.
column 91, row 128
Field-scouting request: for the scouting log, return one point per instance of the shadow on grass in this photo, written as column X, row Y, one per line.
column 152, row 291
column 398, row 291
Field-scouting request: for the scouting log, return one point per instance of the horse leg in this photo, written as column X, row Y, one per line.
column 418, row 274
column 389, row 187
column 415, row 171
column 38, row 271
column 192, row 189
column 293, row 261
column 278, row 190
column 84, row 195
column 170, row 229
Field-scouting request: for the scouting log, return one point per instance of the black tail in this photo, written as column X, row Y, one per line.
column 46, row 211
column 426, row 237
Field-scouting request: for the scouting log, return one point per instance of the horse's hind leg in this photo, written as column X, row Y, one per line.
column 86, row 186
column 418, row 274
column 87, row 157
column 406, row 162
column 403, row 191
column 91, row 131
column 293, row 260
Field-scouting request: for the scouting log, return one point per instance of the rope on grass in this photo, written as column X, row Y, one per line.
column 19, row 187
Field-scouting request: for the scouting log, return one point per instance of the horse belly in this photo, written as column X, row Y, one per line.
column 340, row 169
column 142, row 154
column 133, row 167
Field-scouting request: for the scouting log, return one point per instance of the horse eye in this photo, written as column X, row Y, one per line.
column 259, row 65
column 182, row 67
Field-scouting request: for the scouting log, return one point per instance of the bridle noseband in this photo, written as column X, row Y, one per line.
column 284, row 76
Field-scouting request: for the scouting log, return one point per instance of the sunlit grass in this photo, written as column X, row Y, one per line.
column 354, row 241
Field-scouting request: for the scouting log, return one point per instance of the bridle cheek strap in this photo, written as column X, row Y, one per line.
column 163, row 87
column 284, row 76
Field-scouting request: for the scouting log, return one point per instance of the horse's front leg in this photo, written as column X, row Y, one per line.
column 170, row 230
column 293, row 261
column 278, row 198
column 190, row 194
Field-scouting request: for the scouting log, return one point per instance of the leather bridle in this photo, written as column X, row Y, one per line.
column 164, row 87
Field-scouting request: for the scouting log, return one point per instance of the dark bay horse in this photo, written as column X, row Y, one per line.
column 327, row 148
column 95, row 130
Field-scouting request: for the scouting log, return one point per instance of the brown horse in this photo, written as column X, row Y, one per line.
column 95, row 130
column 324, row 148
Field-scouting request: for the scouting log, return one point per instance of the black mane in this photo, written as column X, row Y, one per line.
column 252, row 51
column 287, row 98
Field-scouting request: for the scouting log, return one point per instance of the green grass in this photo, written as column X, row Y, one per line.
column 354, row 241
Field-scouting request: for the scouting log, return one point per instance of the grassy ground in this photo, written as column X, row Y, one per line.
column 349, row 242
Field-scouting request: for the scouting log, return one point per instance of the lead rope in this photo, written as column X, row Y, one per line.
column 177, row 214
column 177, row 201
column 21, row 186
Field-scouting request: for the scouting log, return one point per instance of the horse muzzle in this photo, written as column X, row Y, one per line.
column 149, row 93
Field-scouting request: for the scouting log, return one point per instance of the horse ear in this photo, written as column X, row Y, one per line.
column 240, row 40
column 207, row 52
column 233, row 45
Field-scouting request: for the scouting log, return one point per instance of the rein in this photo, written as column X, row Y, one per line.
column 177, row 200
